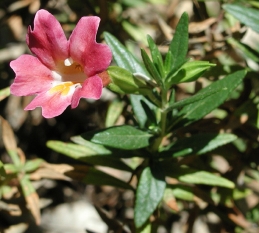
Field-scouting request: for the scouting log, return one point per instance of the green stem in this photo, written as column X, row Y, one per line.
column 163, row 118
column 154, row 99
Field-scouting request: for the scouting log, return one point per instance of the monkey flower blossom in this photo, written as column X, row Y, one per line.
column 62, row 71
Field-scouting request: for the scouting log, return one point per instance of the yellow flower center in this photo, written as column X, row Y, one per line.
column 63, row 88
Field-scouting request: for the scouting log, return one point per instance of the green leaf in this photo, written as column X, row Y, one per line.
column 186, row 193
column 192, row 176
column 27, row 187
column 245, row 15
column 179, row 44
column 4, row 93
column 180, row 192
column 151, row 67
column 88, row 155
column 112, row 152
column 138, row 110
column 246, row 50
column 123, row 137
column 123, row 57
column 11, row 168
column 168, row 62
column 114, row 111
column 146, row 228
column 199, row 144
column 32, row 165
column 156, row 56
column 150, row 192
column 192, row 99
column 201, row 108
column 97, row 177
column 189, row 72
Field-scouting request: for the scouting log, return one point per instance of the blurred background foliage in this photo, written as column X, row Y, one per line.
column 216, row 35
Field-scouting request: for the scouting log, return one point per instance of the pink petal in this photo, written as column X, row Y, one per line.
column 91, row 89
column 47, row 40
column 52, row 104
column 32, row 76
column 83, row 47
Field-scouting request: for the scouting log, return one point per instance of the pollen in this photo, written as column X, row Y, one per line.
column 63, row 88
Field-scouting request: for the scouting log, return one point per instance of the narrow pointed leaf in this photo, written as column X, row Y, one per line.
column 245, row 49
column 179, row 44
column 138, row 110
column 201, row 108
column 156, row 56
column 193, row 176
column 204, row 177
column 245, row 15
column 123, row 57
column 88, row 155
column 114, row 111
column 193, row 99
column 150, row 192
column 97, row 177
column 189, row 72
column 151, row 67
column 168, row 62
column 199, row 144
column 122, row 137
column 32, row 165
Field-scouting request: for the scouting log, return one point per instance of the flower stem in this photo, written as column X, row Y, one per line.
column 162, row 123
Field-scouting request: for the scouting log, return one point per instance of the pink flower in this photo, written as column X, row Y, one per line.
column 63, row 71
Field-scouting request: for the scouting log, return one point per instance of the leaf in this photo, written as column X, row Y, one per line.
column 123, row 57
column 146, row 228
column 245, row 15
column 192, row 176
column 189, row 72
column 151, row 67
column 114, row 111
column 9, row 141
column 31, row 198
column 179, row 44
column 4, row 93
column 199, row 96
column 139, row 112
column 199, row 144
column 201, row 108
column 112, row 152
column 32, row 165
column 88, row 155
column 123, row 137
column 150, row 192
column 245, row 49
column 10, row 168
column 97, row 177
column 156, row 56
column 187, row 193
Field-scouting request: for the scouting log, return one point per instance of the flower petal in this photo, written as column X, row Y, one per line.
column 91, row 89
column 47, row 40
column 32, row 76
column 83, row 47
column 52, row 104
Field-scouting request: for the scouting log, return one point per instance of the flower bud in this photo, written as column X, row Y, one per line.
column 124, row 82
